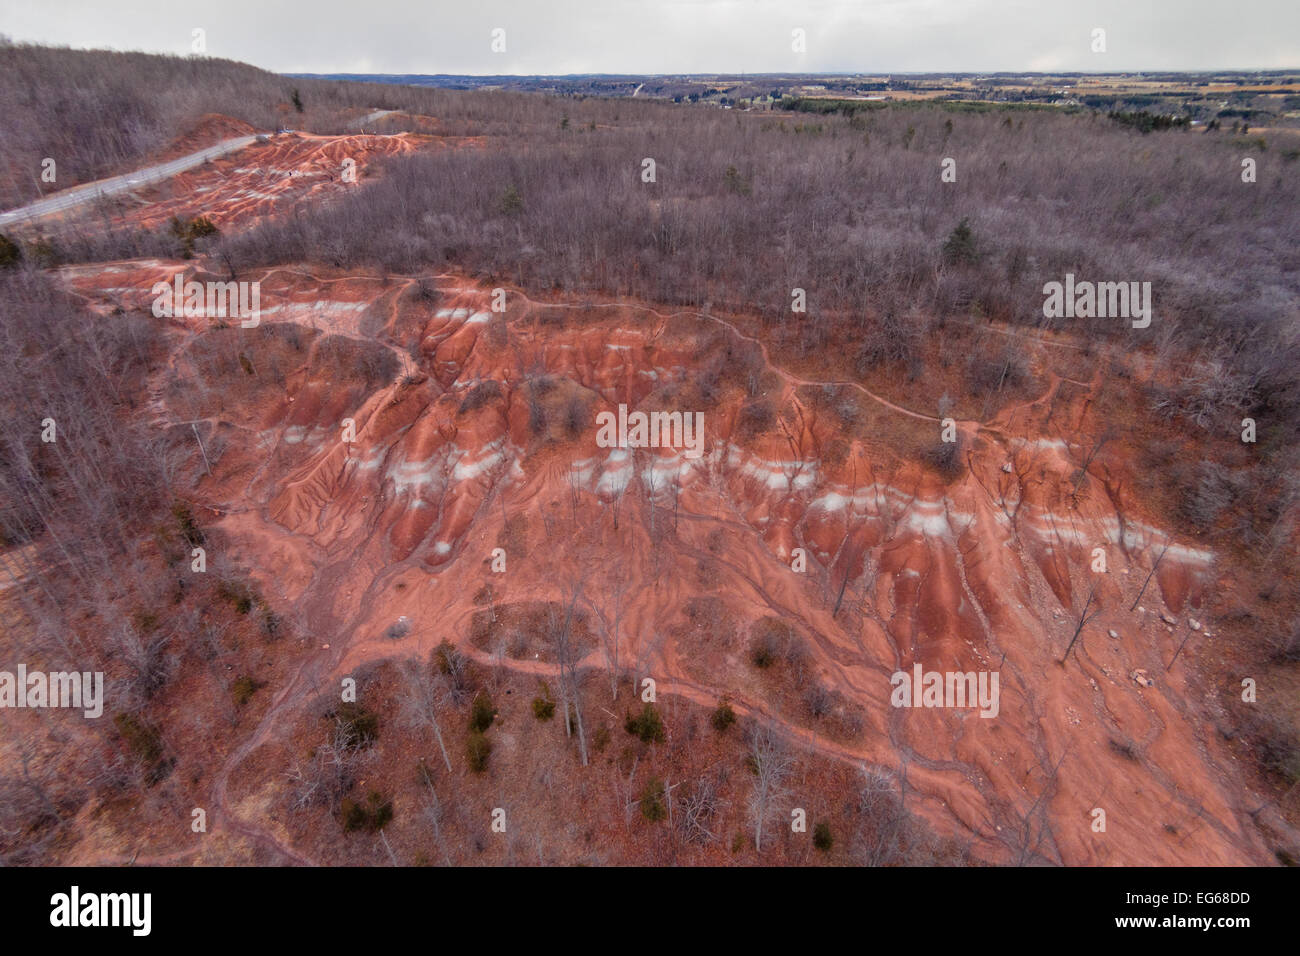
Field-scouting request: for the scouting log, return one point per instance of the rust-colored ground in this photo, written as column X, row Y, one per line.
column 986, row 574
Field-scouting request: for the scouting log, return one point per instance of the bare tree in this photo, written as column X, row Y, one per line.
column 454, row 665
column 329, row 772
column 1150, row 574
column 1084, row 618
column 1181, row 645
column 610, row 623
column 1032, row 830
column 433, row 812
column 771, row 764
column 883, row 834
column 560, row 624
column 700, row 805
column 423, row 695
column 1107, row 435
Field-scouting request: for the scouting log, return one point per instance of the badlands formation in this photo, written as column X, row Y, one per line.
column 387, row 440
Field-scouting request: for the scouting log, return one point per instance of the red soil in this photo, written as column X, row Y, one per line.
column 208, row 130
column 987, row 573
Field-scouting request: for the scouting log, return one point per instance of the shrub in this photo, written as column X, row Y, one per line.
column 737, row 183
column 538, row 420
column 986, row 376
column 647, row 725
column 818, row 700
column 762, row 653
column 1124, row 749
column 1276, row 742
column 352, row 815
column 477, row 750
column 945, row 458
column 480, row 395
column 189, row 231
column 652, row 801
column 543, row 706
column 243, row 690
column 10, row 253
column 960, row 246
column 359, row 725
column 46, row 253
column 723, row 717
column 822, row 838
column 202, row 227
column 239, row 597
column 188, row 526
column 1286, row 646
column 271, row 622
column 891, row 339
column 444, row 657
column 370, row 816
column 144, row 741
column 575, row 417
column 1205, row 494
column 512, row 204
column 755, row 418
column 773, row 641
column 481, row 713
column 452, row 663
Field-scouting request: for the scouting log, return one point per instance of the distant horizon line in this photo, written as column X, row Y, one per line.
column 831, row 73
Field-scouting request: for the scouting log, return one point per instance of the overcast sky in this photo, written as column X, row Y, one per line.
column 682, row 36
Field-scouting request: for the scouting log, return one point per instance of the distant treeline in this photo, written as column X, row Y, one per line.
column 848, row 107
column 1148, row 122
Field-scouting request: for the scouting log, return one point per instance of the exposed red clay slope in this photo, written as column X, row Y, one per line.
column 239, row 189
column 208, row 130
column 262, row 179
column 984, row 574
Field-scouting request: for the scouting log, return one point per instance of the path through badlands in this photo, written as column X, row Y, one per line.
column 475, row 430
